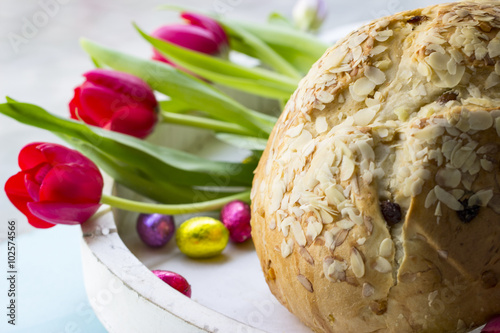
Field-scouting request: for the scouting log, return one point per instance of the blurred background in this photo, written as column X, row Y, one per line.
column 41, row 62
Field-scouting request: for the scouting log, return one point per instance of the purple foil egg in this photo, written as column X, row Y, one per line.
column 236, row 217
column 493, row 326
column 155, row 230
column 174, row 280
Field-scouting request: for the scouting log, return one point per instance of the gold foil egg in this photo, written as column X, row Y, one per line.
column 202, row 237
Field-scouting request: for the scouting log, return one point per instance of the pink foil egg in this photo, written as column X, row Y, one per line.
column 236, row 217
column 155, row 230
column 174, row 280
column 493, row 326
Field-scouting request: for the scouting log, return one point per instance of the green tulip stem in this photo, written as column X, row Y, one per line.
column 207, row 123
column 150, row 208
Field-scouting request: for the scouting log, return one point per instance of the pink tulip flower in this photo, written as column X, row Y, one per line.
column 201, row 34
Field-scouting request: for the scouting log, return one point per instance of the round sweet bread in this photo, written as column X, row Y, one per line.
column 376, row 204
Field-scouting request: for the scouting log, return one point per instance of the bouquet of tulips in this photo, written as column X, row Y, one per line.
column 116, row 108
column 123, row 99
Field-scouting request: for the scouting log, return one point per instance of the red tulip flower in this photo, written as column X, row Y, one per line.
column 201, row 34
column 115, row 101
column 56, row 185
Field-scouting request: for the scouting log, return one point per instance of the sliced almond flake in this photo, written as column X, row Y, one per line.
column 492, row 80
column 366, row 150
column 367, row 290
column 475, row 168
column 424, row 69
column 448, row 177
column 341, row 69
column 363, row 86
column 334, row 196
column 378, row 50
column 447, row 198
column 335, row 58
column 481, row 198
column 278, row 190
column 386, row 248
column 326, row 218
column 487, row 165
column 336, row 270
column 438, row 61
column 383, row 64
column 383, row 35
column 305, row 283
column 430, row 133
column 295, row 131
column 451, row 66
column 321, row 125
column 375, row 75
column 298, row 233
column 313, row 230
column 357, row 264
column 341, row 237
column 457, row 193
column 361, row 241
column 494, row 47
column 286, row 248
column 382, row 265
column 430, row 199
column 357, row 52
column 357, row 40
column 345, row 224
column 325, row 97
column 460, row 156
column 365, row 116
column 306, row 255
column 347, row 168
column 438, row 211
column 272, row 224
column 480, row 120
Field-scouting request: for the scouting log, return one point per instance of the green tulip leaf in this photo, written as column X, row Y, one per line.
column 183, row 87
column 157, row 162
column 257, row 81
column 244, row 142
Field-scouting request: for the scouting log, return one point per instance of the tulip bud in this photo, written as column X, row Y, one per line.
column 201, row 34
column 56, row 185
column 115, row 101
column 308, row 15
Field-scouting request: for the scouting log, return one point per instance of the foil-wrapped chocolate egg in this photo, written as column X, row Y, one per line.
column 155, row 230
column 174, row 280
column 202, row 237
column 236, row 217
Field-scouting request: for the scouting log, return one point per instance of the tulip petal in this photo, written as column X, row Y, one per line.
column 18, row 195
column 123, row 84
column 32, row 187
column 63, row 213
column 138, row 122
column 56, row 154
column 72, row 184
column 209, row 24
column 188, row 36
column 30, row 156
column 98, row 103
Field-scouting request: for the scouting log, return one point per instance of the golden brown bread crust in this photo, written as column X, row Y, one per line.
column 407, row 110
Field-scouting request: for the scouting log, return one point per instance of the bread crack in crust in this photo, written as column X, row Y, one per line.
column 376, row 204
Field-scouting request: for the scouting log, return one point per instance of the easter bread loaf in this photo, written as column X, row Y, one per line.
column 376, row 204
